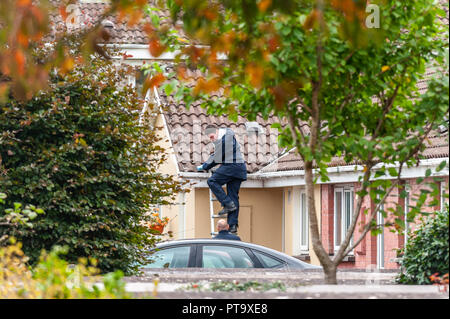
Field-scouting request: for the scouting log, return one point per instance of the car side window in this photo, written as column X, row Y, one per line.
column 219, row 256
column 267, row 261
column 175, row 257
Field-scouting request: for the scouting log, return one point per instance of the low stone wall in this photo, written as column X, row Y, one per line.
column 289, row 277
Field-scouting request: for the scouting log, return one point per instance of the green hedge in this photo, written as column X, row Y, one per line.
column 78, row 152
column 427, row 250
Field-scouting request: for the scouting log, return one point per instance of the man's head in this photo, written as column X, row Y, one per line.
column 222, row 225
column 212, row 132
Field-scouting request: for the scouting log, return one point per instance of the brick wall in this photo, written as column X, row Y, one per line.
column 327, row 219
column 365, row 254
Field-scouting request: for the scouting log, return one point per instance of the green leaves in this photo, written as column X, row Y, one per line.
column 427, row 250
column 88, row 164
column 441, row 166
column 16, row 217
column 393, row 171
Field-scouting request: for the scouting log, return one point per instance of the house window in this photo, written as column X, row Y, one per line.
column 343, row 212
column 139, row 82
column 304, row 222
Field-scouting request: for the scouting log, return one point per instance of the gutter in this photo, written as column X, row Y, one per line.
column 338, row 174
column 141, row 52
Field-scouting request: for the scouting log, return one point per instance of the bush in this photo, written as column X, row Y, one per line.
column 54, row 278
column 77, row 151
column 16, row 217
column 427, row 250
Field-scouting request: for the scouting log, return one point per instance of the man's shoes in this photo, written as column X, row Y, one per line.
column 228, row 209
column 233, row 229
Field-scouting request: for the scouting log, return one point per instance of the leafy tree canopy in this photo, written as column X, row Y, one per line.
column 341, row 84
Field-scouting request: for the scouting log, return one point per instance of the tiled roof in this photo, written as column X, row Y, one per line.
column 436, row 147
column 422, row 84
column 91, row 13
column 186, row 127
column 192, row 146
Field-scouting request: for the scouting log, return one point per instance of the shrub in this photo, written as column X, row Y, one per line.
column 77, row 151
column 16, row 217
column 54, row 278
column 427, row 250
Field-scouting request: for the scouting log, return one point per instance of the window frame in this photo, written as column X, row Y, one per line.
column 380, row 240
column 406, row 211
column 304, row 247
column 345, row 189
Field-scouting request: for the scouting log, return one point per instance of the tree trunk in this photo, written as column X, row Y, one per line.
column 330, row 275
column 328, row 266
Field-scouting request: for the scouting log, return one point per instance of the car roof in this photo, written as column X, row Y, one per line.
column 215, row 241
column 236, row 243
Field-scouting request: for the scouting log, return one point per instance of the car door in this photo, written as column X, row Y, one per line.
column 176, row 256
column 222, row 256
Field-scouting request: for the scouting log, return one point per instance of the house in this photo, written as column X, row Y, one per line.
column 337, row 201
column 273, row 210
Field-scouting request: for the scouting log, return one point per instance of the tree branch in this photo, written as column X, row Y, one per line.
column 374, row 212
column 341, row 252
column 293, row 130
column 412, row 153
column 341, row 107
column 344, row 60
column 386, row 109
column 6, row 224
column 343, row 249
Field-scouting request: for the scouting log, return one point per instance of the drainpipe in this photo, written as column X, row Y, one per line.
column 182, row 214
column 283, row 227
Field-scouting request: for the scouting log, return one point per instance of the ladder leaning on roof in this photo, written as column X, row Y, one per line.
column 213, row 216
column 212, row 199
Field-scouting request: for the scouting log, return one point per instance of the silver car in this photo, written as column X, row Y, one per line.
column 219, row 253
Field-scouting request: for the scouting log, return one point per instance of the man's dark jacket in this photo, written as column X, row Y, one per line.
column 225, row 234
column 227, row 152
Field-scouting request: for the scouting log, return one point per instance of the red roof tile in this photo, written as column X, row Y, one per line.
column 91, row 13
column 192, row 146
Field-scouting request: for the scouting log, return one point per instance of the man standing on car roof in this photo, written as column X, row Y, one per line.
column 231, row 172
column 224, row 233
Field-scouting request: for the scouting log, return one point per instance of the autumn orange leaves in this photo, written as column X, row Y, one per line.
column 214, row 27
column 22, row 24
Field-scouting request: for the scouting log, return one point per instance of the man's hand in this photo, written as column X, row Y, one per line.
column 200, row 168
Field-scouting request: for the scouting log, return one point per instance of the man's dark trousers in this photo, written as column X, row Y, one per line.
column 215, row 183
